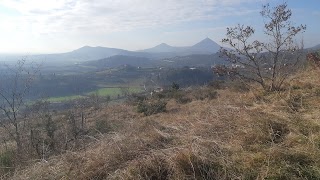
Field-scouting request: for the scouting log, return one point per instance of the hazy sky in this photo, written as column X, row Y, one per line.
column 49, row 26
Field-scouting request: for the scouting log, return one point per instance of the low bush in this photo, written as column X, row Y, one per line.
column 181, row 97
column 183, row 100
column 103, row 126
column 295, row 102
column 6, row 162
column 217, row 84
column 278, row 131
column 152, row 168
column 149, row 108
column 197, row 167
column 134, row 99
column 203, row 94
column 317, row 92
column 238, row 86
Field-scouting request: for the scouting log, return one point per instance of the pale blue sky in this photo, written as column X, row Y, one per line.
column 50, row 26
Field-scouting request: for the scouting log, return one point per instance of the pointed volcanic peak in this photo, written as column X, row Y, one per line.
column 206, row 45
column 163, row 47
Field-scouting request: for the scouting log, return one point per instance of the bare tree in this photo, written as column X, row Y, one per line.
column 267, row 63
column 42, row 133
column 15, row 85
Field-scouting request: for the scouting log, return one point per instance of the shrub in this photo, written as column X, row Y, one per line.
column 305, row 127
column 217, row 84
column 134, row 99
column 151, row 107
column 192, row 165
column 153, row 168
column 295, row 87
column 7, row 161
column 295, row 102
column 202, row 94
column 175, row 86
column 239, row 86
column 308, row 86
column 317, row 92
column 183, row 100
column 165, row 94
column 298, row 165
column 180, row 97
column 103, row 126
column 278, row 131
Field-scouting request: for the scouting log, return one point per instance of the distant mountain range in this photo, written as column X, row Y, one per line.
column 164, row 55
column 87, row 53
column 206, row 46
column 113, row 56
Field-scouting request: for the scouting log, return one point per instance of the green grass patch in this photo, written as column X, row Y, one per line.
column 114, row 91
column 64, row 98
column 106, row 91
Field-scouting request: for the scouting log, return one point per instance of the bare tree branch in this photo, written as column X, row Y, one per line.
column 266, row 63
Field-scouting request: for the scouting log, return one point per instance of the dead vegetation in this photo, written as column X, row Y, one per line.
column 217, row 134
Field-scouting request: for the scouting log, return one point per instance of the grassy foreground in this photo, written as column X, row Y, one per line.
column 237, row 135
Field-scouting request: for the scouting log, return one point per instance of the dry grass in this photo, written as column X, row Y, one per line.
column 238, row 135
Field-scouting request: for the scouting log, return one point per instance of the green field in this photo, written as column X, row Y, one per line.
column 107, row 91
column 114, row 91
column 64, row 98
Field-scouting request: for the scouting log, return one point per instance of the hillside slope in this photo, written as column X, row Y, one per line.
column 237, row 135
